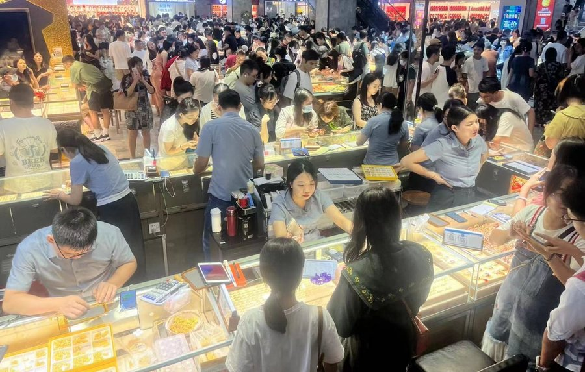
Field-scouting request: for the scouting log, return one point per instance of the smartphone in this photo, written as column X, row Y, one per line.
column 542, row 179
column 455, row 217
column 497, row 202
column 127, row 300
column 436, row 221
column 193, row 277
column 214, row 272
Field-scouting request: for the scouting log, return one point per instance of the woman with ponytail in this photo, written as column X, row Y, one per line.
column 386, row 132
column 432, row 116
column 282, row 334
column 96, row 168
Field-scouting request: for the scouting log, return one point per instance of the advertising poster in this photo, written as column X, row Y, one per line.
column 510, row 17
column 544, row 13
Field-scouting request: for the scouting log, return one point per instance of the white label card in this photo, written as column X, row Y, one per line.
column 463, row 238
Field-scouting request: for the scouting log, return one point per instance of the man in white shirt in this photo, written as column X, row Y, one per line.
column 140, row 52
column 309, row 62
column 26, row 141
column 102, row 34
column 474, row 70
column 491, row 93
column 120, row 53
column 559, row 46
column 578, row 65
column 428, row 72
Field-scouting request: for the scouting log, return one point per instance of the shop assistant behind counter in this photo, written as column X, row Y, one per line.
column 74, row 258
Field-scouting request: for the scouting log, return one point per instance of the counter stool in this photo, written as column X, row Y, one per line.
column 465, row 356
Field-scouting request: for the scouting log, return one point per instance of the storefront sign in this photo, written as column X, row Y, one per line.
column 463, row 238
column 544, row 12
column 419, row 13
column 510, row 17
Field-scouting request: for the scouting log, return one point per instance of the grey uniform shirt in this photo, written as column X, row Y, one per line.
column 248, row 99
column 284, row 209
column 423, row 129
column 233, row 143
column 434, row 134
column 36, row 259
column 457, row 164
column 383, row 147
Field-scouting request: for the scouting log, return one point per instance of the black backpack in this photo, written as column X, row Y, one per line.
column 358, row 56
column 284, row 81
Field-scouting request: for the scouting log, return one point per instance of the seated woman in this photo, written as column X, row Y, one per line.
column 531, row 289
column 386, row 133
column 211, row 110
column 568, row 122
column 182, row 89
column 457, row 158
column 384, row 282
column 296, row 212
column 298, row 117
column 457, row 91
column 333, row 118
column 268, row 112
column 25, row 74
column 432, row 117
column 282, row 335
column 364, row 106
column 178, row 134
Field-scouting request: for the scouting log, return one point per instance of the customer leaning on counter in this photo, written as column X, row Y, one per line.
column 296, row 212
column 96, row 168
column 298, row 117
column 457, row 157
column 74, row 258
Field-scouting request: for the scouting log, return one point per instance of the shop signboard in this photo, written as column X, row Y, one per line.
column 510, row 17
column 544, row 13
column 419, row 13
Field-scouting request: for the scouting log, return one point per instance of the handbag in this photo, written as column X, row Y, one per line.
column 320, row 357
column 422, row 332
column 124, row 102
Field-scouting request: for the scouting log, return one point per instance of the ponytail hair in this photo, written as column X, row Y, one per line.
column 74, row 141
column 428, row 102
column 281, row 265
column 388, row 101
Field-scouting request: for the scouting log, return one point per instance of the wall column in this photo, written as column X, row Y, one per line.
column 335, row 13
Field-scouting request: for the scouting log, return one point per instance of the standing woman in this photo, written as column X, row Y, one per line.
column 138, row 82
column 192, row 61
column 89, row 52
column 25, row 74
column 457, row 158
column 96, row 168
column 156, row 77
column 385, row 281
column 268, row 112
column 40, row 70
column 203, row 80
column 386, row 133
column 390, row 82
column 298, row 117
column 212, row 51
column 568, row 122
column 548, row 75
column 522, row 71
column 364, row 106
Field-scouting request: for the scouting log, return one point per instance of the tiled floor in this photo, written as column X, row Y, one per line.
column 118, row 144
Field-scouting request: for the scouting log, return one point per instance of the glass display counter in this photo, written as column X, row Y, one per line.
column 507, row 169
column 193, row 329
column 328, row 84
column 62, row 101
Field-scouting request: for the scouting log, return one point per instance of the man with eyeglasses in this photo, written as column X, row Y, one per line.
column 75, row 258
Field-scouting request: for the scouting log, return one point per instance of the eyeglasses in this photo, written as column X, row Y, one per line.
column 83, row 253
column 567, row 219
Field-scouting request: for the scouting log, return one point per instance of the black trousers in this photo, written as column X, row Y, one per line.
column 124, row 214
column 443, row 197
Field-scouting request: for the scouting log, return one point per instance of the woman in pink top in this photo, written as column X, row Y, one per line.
column 156, row 77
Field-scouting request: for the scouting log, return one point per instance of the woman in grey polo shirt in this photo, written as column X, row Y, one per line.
column 457, row 159
column 296, row 213
column 96, row 168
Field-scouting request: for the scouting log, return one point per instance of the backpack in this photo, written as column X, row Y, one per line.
column 165, row 82
column 284, row 81
column 358, row 53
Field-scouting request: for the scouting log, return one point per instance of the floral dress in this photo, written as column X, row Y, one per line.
column 548, row 76
column 142, row 118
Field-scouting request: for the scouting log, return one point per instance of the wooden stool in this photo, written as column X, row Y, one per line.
column 416, row 197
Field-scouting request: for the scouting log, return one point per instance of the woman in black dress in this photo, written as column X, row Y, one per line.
column 548, row 75
column 89, row 52
column 522, row 71
column 40, row 70
column 383, row 280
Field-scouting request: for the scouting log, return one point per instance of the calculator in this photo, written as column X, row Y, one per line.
column 379, row 172
column 162, row 292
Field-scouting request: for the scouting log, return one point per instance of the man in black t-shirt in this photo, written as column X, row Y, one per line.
column 229, row 40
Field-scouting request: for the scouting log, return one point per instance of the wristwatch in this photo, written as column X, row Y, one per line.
column 540, row 368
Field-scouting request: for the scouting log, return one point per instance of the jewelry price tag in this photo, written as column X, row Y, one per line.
column 463, row 238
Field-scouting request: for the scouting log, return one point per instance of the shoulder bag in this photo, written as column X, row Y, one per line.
column 124, row 102
column 422, row 332
column 320, row 357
